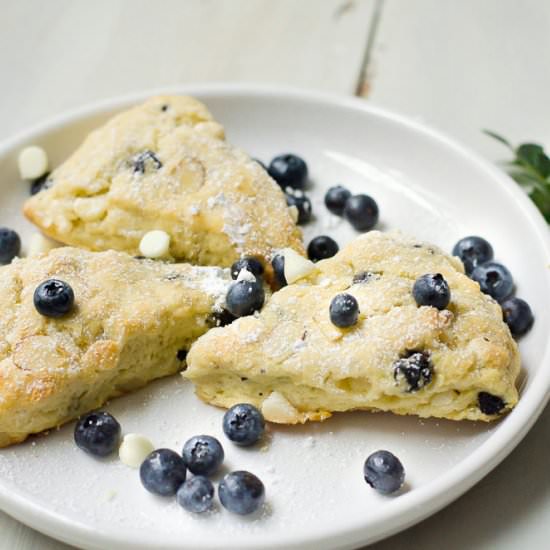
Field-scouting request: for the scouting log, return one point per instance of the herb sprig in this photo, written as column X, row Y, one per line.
column 531, row 169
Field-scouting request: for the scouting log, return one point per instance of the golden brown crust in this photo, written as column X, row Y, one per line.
column 211, row 198
column 129, row 321
column 296, row 365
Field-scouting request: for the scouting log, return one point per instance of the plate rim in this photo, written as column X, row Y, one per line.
column 415, row 505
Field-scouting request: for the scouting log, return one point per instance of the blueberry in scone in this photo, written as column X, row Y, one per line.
column 131, row 321
column 10, row 245
column 165, row 166
column 294, row 363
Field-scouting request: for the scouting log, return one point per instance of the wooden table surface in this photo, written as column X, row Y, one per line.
column 458, row 65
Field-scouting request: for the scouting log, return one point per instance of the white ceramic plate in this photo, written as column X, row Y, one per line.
column 425, row 185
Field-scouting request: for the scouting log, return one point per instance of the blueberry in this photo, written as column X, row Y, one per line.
column 41, row 184
column 321, row 247
column 336, row 198
column 203, row 455
column 278, row 264
column 245, row 297
column 473, row 251
column 243, row 424
column 53, row 298
column 415, row 370
column 302, row 204
column 97, row 433
column 250, row 264
column 181, row 355
column 196, row 495
column 344, row 310
column 10, row 245
column 384, row 472
column 163, row 472
column 288, row 171
column 494, row 279
column 432, row 290
column 241, row 492
column 518, row 316
column 489, row 404
column 362, row 212
column 142, row 161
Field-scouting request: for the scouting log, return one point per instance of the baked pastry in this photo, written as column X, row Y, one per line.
column 132, row 321
column 164, row 165
column 293, row 362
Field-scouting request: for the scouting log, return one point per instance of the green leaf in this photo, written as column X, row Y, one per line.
column 498, row 137
column 533, row 155
column 542, row 201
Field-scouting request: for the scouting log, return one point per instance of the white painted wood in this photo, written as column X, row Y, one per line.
column 60, row 54
column 466, row 65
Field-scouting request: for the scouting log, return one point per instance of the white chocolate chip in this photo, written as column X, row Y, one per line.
column 133, row 450
column 90, row 209
column 155, row 244
column 294, row 213
column 296, row 266
column 277, row 408
column 245, row 275
column 39, row 244
column 32, row 162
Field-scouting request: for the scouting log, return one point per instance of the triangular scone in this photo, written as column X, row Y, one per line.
column 294, row 364
column 133, row 321
column 165, row 165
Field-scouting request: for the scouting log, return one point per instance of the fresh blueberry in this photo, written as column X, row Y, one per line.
column 10, row 245
column 322, row 247
column 415, row 370
column 163, row 472
column 41, row 184
column 250, row 264
column 489, row 404
column 196, row 495
column 336, row 198
column 362, row 212
column 288, row 171
column 278, row 264
column 302, row 204
column 518, row 316
column 344, row 310
column 494, row 279
column 203, row 455
column 384, row 472
column 97, row 433
column 143, row 160
column 432, row 290
column 53, row 298
column 473, row 251
column 241, row 492
column 245, row 297
column 243, row 424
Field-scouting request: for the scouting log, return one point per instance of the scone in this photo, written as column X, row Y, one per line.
column 132, row 321
column 165, row 165
column 296, row 365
